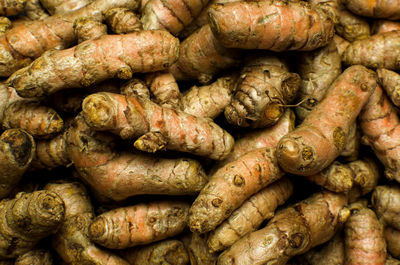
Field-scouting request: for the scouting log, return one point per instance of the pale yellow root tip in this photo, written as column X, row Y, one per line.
column 97, row 111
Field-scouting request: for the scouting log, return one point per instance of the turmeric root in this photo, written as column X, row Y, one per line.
column 164, row 89
column 140, row 224
column 135, row 88
column 360, row 176
column 341, row 44
column 317, row 69
column 380, row 127
column 386, row 202
column 230, row 186
column 351, row 27
column 96, row 60
column 249, row 216
column 172, row 15
column 17, row 149
column 209, row 101
column 374, row 8
column 380, row 26
column 5, row 24
column 264, row 87
column 201, row 57
column 11, row 7
column 64, row 6
column 392, row 237
column 272, row 25
column 390, row 82
column 122, row 20
column 291, row 232
column 118, row 175
column 166, row 252
column 331, row 253
column 261, row 138
column 27, row 219
column 321, row 137
column 72, row 241
column 88, row 29
column 51, row 153
column 391, row 261
column 199, row 252
column 174, row 130
column 34, row 10
column 27, row 41
column 377, row 51
column 351, row 148
column 35, row 257
column 364, row 240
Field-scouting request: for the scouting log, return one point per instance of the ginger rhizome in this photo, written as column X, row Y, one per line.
column 272, row 25
column 157, row 127
column 386, row 202
column 201, row 56
column 72, row 241
column 390, row 82
column 27, row 41
column 292, row 231
column 321, row 137
column 364, row 240
column 171, row 15
column 167, row 252
column 231, row 185
column 264, row 87
column 377, row 51
column 317, row 69
column 28, row 218
column 248, row 217
column 97, row 60
column 122, row 20
column 119, row 175
column 139, row 224
column 17, row 149
column 380, row 126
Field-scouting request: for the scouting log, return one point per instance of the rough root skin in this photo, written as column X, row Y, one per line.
column 135, row 88
column 392, row 237
column 119, row 175
column 72, row 241
column 377, row 51
column 17, row 149
column 209, row 101
column 131, row 118
column 11, row 7
column 96, row 60
column 321, row 137
column 390, row 82
column 36, row 256
column 27, row 41
column 39, row 121
column 248, row 217
column 64, row 6
column 199, row 252
column 140, row 224
column 164, row 252
column 122, row 20
column 380, row 26
column 27, row 219
column 171, row 15
column 264, row 87
column 34, row 10
column 230, row 186
column 201, row 57
column 164, row 89
column 386, row 202
column 87, row 29
column 380, row 126
column 389, row 9
column 291, row 232
column 262, row 25
column 364, row 240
